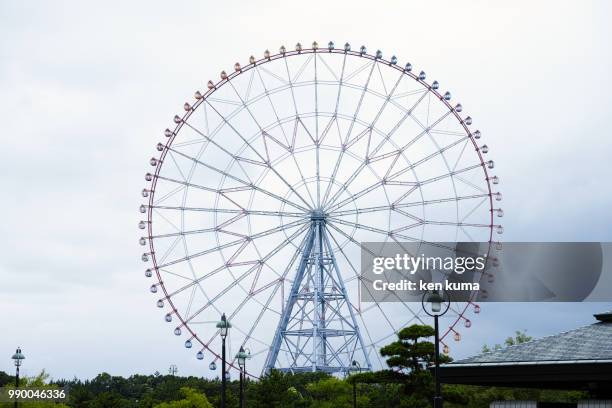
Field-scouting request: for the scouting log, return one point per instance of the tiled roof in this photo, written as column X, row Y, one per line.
column 593, row 342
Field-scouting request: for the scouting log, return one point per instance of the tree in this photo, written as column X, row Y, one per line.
column 409, row 358
column 193, row 399
column 39, row 381
column 6, row 379
column 408, row 354
column 333, row 393
column 278, row 389
column 519, row 338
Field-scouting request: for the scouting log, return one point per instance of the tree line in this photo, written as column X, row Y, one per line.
column 407, row 383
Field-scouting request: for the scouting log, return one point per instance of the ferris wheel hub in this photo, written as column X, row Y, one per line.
column 318, row 215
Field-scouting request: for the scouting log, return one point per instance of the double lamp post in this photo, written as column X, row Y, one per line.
column 224, row 325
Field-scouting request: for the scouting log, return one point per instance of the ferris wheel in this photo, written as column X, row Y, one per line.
column 263, row 192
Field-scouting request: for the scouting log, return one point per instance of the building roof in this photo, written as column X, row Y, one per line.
column 592, row 343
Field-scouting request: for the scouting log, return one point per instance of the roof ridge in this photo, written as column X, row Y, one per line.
column 508, row 347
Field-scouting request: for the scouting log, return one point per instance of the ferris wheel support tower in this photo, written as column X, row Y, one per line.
column 314, row 326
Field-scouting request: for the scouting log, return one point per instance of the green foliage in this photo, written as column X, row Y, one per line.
column 279, row 389
column 519, row 337
column 408, row 383
column 481, row 397
column 193, row 399
column 6, row 379
column 408, row 353
column 39, row 381
column 331, row 392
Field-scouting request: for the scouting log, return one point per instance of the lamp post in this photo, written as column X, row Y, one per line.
column 356, row 367
column 436, row 305
column 242, row 357
column 223, row 325
column 18, row 358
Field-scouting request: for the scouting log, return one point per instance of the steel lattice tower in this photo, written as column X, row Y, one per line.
column 318, row 327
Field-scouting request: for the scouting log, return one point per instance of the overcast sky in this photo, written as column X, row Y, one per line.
column 87, row 88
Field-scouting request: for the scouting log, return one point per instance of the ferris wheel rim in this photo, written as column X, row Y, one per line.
column 222, row 82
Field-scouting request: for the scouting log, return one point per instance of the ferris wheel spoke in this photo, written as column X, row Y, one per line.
column 261, row 234
column 458, row 224
column 278, row 121
column 330, row 70
column 426, row 129
column 241, row 306
column 469, row 183
column 232, row 211
column 402, row 149
column 169, row 194
column 408, row 215
column 333, row 176
column 413, row 187
column 178, row 275
column 460, row 156
column 267, row 162
column 357, row 195
column 186, row 184
column 283, row 275
column 292, row 152
column 248, row 272
column 364, row 90
column 172, row 224
column 176, row 165
column 340, row 83
column 453, row 173
column 318, row 142
column 380, row 145
column 238, row 179
column 389, row 96
column 364, row 210
column 408, row 93
column 256, row 264
column 249, row 333
column 346, row 257
column 441, row 151
column 360, row 276
column 230, row 318
column 360, row 103
column 359, row 70
column 397, row 174
column 301, row 70
column 272, row 74
column 169, row 250
column 201, row 253
column 292, row 91
column 377, row 148
column 390, row 234
column 265, row 159
column 290, row 146
column 211, row 140
column 183, row 233
column 371, row 344
column 473, row 210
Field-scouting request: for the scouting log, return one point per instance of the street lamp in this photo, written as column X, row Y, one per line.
column 436, row 305
column 355, row 367
column 18, row 358
column 223, row 325
column 242, row 357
